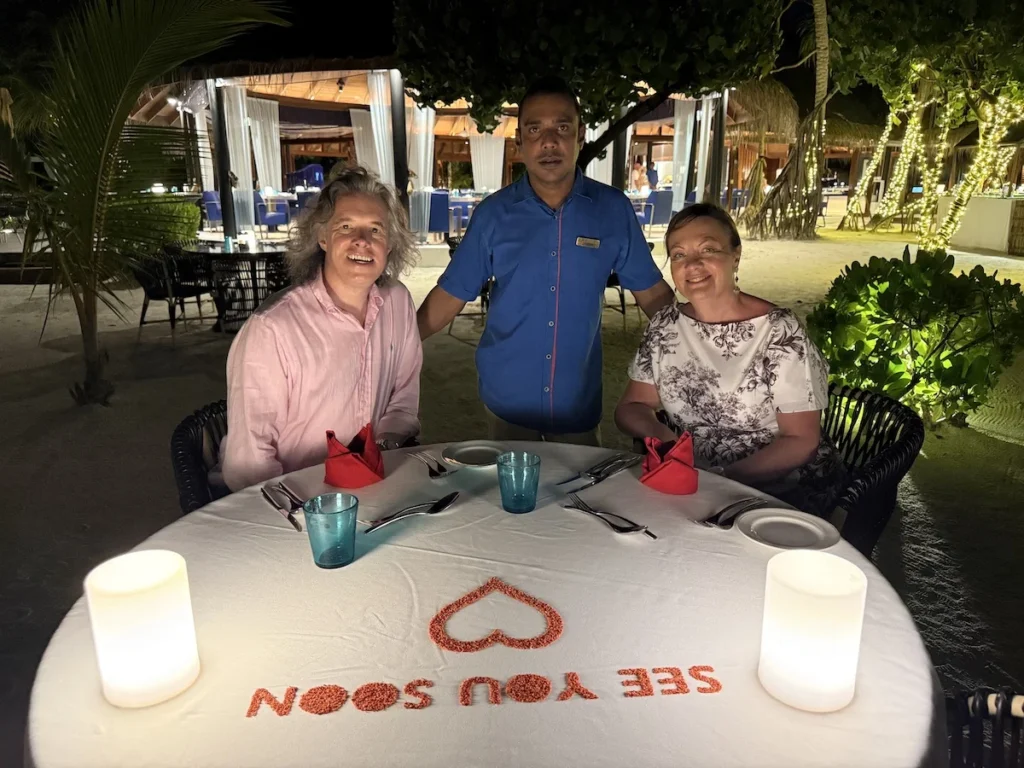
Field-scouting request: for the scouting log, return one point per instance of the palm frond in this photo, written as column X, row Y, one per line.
column 99, row 163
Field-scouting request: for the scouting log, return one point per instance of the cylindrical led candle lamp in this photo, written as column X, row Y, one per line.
column 142, row 626
column 810, row 639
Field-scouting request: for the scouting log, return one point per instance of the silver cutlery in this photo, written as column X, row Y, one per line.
column 724, row 518
column 596, row 469
column 288, row 514
column 624, row 524
column 292, row 496
column 416, row 509
column 612, row 469
column 434, row 467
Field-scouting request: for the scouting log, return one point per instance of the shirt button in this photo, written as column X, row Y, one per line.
column 549, row 357
column 547, row 389
column 553, row 253
column 552, row 289
column 551, row 323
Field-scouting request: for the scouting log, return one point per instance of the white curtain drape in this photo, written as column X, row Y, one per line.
column 380, row 114
column 236, row 118
column 362, row 134
column 265, row 127
column 682, row 146
column 487, row 152
column 205, row 151
column 707, row 111
column 420, row 133
column 629, row 157
column 598, row 169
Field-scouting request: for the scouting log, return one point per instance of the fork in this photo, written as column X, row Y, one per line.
column 626, row 526
column 725, row 516
column 435, row 472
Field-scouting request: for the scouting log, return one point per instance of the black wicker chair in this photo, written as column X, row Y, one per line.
column 173, row 277
column 195, row 449
column 878, row 439
column 985, row 729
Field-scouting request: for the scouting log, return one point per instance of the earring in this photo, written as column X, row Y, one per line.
column 736, row 282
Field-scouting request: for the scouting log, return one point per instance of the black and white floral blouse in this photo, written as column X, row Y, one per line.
column 724, row 383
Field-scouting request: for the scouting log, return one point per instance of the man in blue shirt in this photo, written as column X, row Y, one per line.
column 550, row 240
column 652, row 175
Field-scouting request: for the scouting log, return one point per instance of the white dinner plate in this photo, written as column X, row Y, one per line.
column 787, row 529
column 474, row 453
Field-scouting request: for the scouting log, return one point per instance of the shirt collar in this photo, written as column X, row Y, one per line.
column 580, row 188
column 319, row 290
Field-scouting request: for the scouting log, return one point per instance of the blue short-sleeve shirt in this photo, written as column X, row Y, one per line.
column 539, row 359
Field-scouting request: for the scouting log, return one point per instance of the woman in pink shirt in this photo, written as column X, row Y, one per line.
column 336, row 351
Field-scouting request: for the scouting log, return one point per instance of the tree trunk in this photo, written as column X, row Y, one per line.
column 933, row 160
column 992, row 128
column 792, row 205
column 95, row 389
column 853, row 208
column 594, row 148
column 821, row 54
column 911, row 149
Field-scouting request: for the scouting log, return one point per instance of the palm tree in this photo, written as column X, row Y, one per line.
column 87, row 213
column 791, row 207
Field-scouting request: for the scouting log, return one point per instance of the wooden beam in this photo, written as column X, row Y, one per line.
column 291, row 101
column 155, row 104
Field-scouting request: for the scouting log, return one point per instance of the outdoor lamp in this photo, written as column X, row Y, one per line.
column 810, row 638
column 142, row 626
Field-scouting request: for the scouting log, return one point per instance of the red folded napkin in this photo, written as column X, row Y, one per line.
column 668, row 467
column 355, row 465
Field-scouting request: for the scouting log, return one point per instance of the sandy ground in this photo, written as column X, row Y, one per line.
column 82, row 484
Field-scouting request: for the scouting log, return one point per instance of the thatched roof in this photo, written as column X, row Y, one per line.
column 840, row 132
column 766, row 107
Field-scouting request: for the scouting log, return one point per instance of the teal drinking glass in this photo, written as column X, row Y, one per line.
column 518, row 479
column 331, row 524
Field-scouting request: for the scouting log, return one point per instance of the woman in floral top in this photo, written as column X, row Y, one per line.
column 735, row 371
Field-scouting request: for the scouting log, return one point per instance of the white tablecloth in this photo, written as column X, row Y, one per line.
column 266, row 617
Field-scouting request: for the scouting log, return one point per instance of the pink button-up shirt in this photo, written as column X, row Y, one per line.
column 303, row 366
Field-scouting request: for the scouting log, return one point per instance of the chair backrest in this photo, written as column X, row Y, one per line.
column 438, row 217
column 985, row 728
column 661, row 200
column 862, row 425
column 151, row 275
column 878, row 440
column 195, row 450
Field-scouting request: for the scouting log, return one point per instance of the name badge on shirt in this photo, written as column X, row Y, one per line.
column 588, row 242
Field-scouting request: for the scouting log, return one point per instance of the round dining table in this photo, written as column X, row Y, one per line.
column 475, row 637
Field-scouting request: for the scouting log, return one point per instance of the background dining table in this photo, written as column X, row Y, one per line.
column 242, row 279
column 655, row 663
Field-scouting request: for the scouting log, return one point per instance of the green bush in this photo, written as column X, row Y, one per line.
column 920, row 333
column 179, row 220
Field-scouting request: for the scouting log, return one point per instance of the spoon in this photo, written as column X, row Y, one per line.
column 433, row 508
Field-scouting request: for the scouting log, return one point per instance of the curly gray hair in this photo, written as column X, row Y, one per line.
column 306, row 257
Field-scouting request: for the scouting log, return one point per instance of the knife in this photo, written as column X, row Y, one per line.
column 434, row 507
column 289, row 516
column 613, row 469
column 597, row 469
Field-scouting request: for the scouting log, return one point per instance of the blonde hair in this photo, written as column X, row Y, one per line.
column 306, row 257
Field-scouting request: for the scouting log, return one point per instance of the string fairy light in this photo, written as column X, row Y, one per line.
column 994, row 121
column 853, row 208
